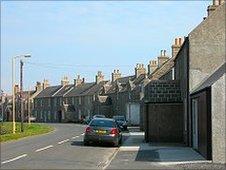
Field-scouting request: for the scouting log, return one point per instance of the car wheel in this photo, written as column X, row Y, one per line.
column 120, row 140
column 116, row 144
column 86, row 143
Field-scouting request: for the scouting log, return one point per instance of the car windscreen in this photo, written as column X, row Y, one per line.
column 102, row 123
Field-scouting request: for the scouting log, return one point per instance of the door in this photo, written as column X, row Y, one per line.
column 195, row 123
column 133, row 113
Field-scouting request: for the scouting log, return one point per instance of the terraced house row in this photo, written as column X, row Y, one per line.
column 177, row 98
column 118, row 96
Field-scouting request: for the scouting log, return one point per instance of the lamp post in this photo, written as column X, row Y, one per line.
column 13, row 89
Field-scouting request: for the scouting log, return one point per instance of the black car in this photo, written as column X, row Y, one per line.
column 121, row 121
column 103, row 130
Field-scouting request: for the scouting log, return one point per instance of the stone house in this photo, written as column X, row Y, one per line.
column 68, row 102
column 207, row 130
column 124, row 94
column 199, row 70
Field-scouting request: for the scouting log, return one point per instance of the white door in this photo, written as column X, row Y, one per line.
column 133, row 113
column 195, row 123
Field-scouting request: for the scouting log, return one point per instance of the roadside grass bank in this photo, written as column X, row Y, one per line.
column 29, row 130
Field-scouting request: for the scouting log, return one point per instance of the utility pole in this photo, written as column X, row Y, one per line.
column 21, row 96
column 28, row 107
column 2, row 108
column 13, row 95
column 13, row 87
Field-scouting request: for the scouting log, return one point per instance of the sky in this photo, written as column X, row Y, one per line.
column 67, row 38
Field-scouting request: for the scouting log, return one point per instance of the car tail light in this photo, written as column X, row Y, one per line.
column 114, row 131
column 88, row 129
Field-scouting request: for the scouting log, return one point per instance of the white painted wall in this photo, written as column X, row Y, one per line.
column 133, row 113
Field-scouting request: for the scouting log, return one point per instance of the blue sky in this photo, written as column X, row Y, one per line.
column 70, row 38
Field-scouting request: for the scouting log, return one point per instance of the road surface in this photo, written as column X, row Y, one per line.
column 61, row 149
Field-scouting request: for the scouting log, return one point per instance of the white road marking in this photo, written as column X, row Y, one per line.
column 136, row 133
column 63, row 141
column 181, row 162
column 129, row 148
column 107, row 163
column 83, row 134
column 74, row 137
column 14, row 159
column 41, row 149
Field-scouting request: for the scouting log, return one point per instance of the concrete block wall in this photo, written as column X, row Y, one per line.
column 163, row 91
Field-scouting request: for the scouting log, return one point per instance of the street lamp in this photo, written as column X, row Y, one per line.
column 13, row 83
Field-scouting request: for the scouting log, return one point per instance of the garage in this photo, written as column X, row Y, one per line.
column 133, row 113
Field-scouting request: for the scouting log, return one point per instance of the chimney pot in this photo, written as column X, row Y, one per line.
column 176, row 41
column 180, row 41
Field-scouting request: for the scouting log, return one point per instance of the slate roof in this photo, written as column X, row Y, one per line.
column 211, row 79
column 162, row 70
column 124, row 80
column 78, row 90
column 124, row 83
column 64, row 90
column 94, row 89
column 49, row 91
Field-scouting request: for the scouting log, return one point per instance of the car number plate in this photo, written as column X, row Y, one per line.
column 101, row 131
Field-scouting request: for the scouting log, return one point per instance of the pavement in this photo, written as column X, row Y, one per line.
column 63, row 149
column 136, row 154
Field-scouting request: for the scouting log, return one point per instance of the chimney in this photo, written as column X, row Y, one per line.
column 79, row 81
column 162, row 58
column 176, row 46
column 16, row 89
column 99, row 77
column 45, row 83
column 38, row 86
column 115, row 75
column 215, row 4
column 64, row 81
column 139, row 70
column 152, row 66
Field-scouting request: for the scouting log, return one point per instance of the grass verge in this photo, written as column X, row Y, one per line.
column 29, row 130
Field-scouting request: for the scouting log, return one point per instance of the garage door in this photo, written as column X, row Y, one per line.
column 133, row 113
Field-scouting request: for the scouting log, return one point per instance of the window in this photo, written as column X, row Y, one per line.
column 49, row 116
column 41, row 102
column 55, row 115
column 72, row 100
column 41, row 115
column 55, row 101
column 93, row 97
column 80, row 100
column 173, row 73
column 60, row 101
column 49, row 102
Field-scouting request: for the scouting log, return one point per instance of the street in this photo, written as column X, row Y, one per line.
column 61, row 149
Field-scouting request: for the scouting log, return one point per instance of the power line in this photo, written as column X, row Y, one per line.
column 57, row 66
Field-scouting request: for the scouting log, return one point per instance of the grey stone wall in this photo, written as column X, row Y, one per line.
column 207, row 47
column 181, row 74
column 219, row 121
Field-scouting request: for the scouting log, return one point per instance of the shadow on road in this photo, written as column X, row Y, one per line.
column 148, row 155
column 94, row 144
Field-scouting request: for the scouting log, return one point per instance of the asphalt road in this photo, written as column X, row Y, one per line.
column 60, row 149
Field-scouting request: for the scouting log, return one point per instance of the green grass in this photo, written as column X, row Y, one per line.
column 29, row 130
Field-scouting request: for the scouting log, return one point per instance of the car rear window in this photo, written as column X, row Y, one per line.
column 120, row 118
column 102, row 123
